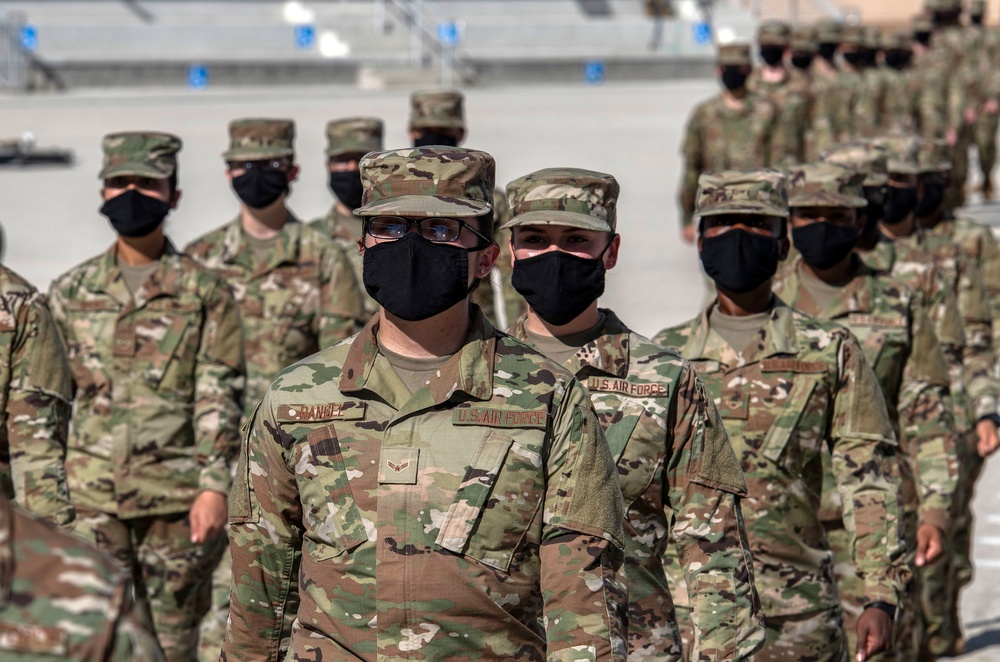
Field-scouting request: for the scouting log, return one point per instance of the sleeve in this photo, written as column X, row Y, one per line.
column 863, row 450
column 585, row 601
column 925, row 413
column 989, row 267
column 704, row 484
column 342, row 304
column 977, row 359
column 38, row 413
column 265, row 542
column 220, row 379
column 693, row 163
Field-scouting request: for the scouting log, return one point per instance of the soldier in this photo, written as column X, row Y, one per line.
column 829, row 281
column 904, row 86
column 786, row 89
column 296, row 289
column 156, row 351
column 735, row 129
column 802, row 55
column 383, row 507
column 347, row 140
column 675, row 465
column 36, row 393
column 850, row 88
column 437, row 117
column 789, row 386
column 828, row 126
column 870, row 110
column 61, row 598
column 987, row 42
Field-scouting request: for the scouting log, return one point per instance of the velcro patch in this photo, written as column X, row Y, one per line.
column 705, row 367
column 626, row 387
column 33, row 639
column 501, row 418
column 859, row 319
column 792, row 365
column 735, row 405
column 346, row 411
column 399, row 465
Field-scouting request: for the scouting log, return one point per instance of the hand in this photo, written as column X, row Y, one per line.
column 951, row 136
column 874, row 633
column 689, row 233
column 970, row 115
column 930, row 544
column 991, row 107
column 986, row 430
column 208, row 515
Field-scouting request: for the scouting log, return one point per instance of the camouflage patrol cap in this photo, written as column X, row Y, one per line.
column 903, row 150
column 140, row 153
column 759, row 192
column 774, row 33
column 935, row 156
column 898, row 41
column 733, row 55
column 354, row 135
column 853, row 35
column 829, row 31
column 427, row 181
column 437, row 109
column 864, row 157
column 256, row 139
column 564, row 196
column 977, row 7
column 922, row 23
column 804, row 40
column 825, row 185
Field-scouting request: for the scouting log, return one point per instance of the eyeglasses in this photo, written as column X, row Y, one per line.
column 124, row 181
column 269, row 165
column 437, row 230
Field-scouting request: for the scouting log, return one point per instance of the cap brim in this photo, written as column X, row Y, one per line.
column 425, row 205
column 757, row 209
column 903, row 168
column 353, row 149
column 437, row 124
column 941, row 166
column 255, row 154
column 569, row 219
column 732, row 62
column 827, row 200
column 133, row 169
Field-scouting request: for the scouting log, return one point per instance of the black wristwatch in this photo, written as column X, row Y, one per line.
column 884, row 606
column 992, row 417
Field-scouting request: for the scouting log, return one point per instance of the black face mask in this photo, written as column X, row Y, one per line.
column 930, row 199
column 876, row 207
column 922, row 38
column 739, row 261
column 258, row 188
column 734, row 79
column 828, row 51
column 414, row 278
column 897, row 59
column 347, row 187
column 899, row 203
column 133, row 214
column 825, row 244
column 854, row 58
column 869, row 57
column 559, row 286
column 772, row 55
column 802, row 61
column 432, row 137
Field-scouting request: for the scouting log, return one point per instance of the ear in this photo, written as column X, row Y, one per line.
column 611, row 255
column 229, row 175
column 460, row 136
column 175, row 198
column 487, row 258
column 293, row 173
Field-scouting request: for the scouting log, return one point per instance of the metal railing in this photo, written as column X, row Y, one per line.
column 14, row 61
column 794, row 10
column 423, row 18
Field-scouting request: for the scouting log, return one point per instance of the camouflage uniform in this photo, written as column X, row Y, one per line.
column 850, row 105
column 790, row 96
column 375, row 523
column 888, row 319
column 828, row 127
column 352, row 136
column 158, row 377
column 801, row 387
column 904, row 90
column 61, row 598
column 302, row 296
column 986, row 40
column 35, row 393
column 675, row 465
column 803, row 41
column 720, row 137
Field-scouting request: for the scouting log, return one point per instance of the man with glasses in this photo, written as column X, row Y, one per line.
column 296, row 290
column 432, row 488
column 790, row 388
column 347, row 140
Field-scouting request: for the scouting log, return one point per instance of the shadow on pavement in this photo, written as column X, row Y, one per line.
column 982, row 641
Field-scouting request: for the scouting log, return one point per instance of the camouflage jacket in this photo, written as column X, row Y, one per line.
column 871, row 104
column 157, row 381
column 981, row 246
column 960, row 272
column 476, row 518
column 302, row 298
column 62, row 598
column 828, row 127
column 345, row 230
column 678, row 473
column 889, row 320
column 792, row 100
column 35, row 394
column 718, row 137
column 904, row 90
column 805, row 385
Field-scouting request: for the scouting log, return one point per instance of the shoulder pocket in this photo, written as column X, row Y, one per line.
column 329, row 511
column 787, row 422
column 240, row 508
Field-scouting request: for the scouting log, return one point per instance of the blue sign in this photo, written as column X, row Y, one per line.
column 593, row 72
column 29, row 38
column 702, row 33
column 305, row 37
column 197, row 77
column 447, row 33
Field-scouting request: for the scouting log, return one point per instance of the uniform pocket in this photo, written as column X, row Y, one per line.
column 167, row 337
column 714, row 590
column 495, row 503
column 786, row 425
column 329, row 512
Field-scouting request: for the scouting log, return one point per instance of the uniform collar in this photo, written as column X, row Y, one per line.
column 235, row 249
column 607, row 354
column 780, row 338
column 164, row 281
column 857, row 296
